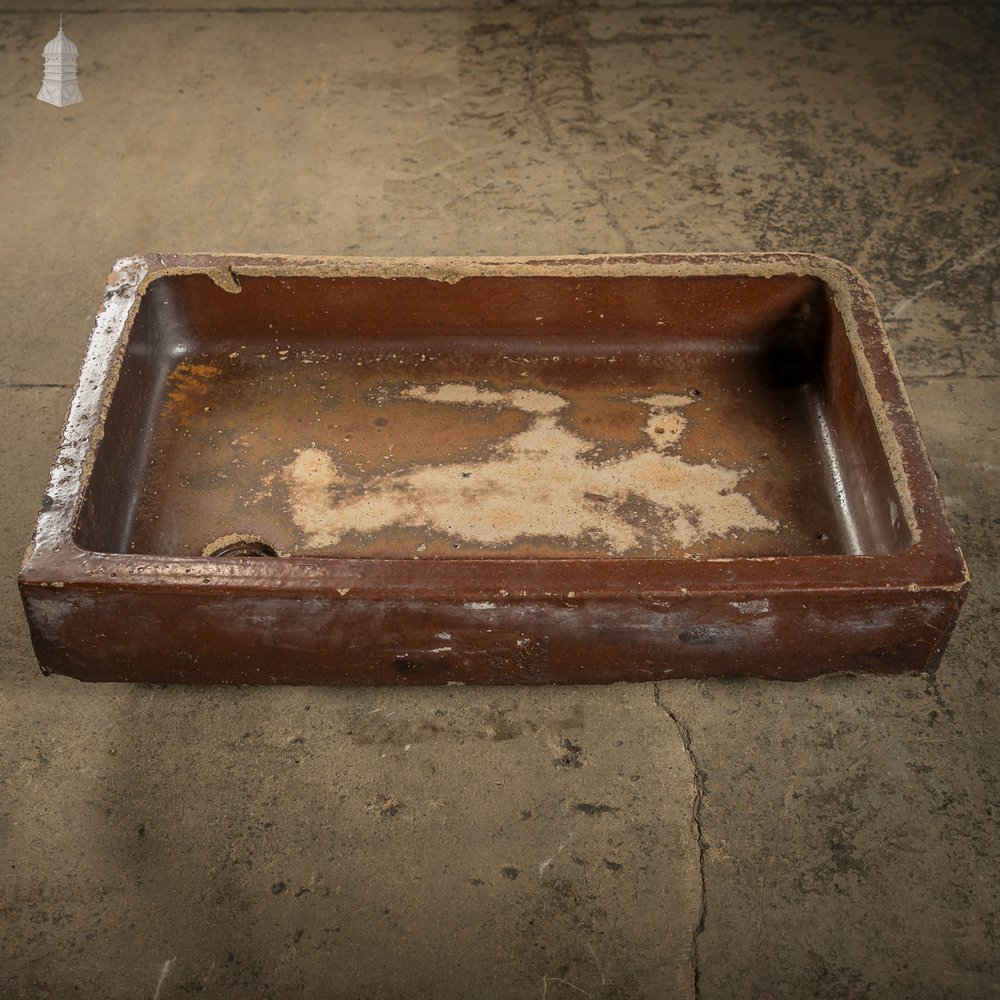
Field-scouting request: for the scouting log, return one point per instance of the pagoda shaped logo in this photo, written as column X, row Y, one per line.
column 59, row 86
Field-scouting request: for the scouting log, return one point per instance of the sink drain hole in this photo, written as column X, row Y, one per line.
column 239, row 545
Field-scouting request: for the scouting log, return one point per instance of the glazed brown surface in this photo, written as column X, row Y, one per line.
column 551, row 470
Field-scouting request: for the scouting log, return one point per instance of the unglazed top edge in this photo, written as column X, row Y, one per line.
column 69, row 474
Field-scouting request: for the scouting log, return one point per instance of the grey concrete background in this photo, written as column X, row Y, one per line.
column 835, row 838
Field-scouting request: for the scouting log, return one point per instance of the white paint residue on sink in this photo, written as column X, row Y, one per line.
column 665, row 427
column 535, row 483
column 529, row 400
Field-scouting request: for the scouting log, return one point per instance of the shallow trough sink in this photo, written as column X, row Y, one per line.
column 584, row 469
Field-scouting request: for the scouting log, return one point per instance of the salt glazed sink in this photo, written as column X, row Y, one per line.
column 489, row 471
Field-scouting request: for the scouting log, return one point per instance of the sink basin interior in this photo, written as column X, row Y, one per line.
column 700, row 417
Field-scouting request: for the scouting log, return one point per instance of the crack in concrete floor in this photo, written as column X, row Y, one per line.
column 698, row 783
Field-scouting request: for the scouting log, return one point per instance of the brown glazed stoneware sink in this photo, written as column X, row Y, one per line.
column 485, row 471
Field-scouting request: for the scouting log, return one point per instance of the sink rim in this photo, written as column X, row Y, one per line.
column 932, row 562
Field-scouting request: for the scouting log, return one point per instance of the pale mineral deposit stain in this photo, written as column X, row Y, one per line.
column 528, row 400
column 538, row 483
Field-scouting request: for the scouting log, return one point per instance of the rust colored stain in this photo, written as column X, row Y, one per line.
column 188, row 391
column 575, row 469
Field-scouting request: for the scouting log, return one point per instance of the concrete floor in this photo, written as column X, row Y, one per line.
column 835, row 838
